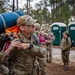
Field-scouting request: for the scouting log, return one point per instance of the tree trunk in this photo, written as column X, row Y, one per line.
column 17, row 4
column 13, row 6
column 27, row 7
column 53, row 13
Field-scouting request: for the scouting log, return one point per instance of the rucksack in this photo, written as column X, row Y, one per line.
column 36, row 39
column 42, row 38
column 71, row 42
column 50, row 36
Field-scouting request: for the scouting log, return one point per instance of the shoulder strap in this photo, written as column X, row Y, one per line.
column 36, row 39
column 67, row 40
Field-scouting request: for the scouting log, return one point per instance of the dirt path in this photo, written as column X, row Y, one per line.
column 56, row 55
column 56, row 68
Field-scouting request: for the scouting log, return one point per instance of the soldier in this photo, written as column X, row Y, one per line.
column 49, row 43
column 42, row 39
column 3, row 68
column 65, row 49
column 23, row 49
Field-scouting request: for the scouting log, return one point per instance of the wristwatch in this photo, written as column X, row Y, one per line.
column 31, row 46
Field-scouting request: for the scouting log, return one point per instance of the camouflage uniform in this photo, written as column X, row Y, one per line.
column 49, row 43
column 22, row 61
column 3, row 69
column 42, row 61
column 65, row 47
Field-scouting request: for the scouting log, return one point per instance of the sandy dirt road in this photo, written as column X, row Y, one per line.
column 56, row 68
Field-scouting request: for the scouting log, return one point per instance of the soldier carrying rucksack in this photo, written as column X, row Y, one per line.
column 65, row 49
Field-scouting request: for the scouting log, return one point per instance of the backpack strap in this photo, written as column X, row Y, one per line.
column 6, row 45
column 67, row 40
column 36, row 39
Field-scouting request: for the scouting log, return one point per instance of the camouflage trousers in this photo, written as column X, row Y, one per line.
column 65, row 56
column 49, row 54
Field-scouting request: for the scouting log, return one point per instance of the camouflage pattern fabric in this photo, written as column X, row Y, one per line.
column 3, row 69
column 65, row 47
column 22, row 60
column 49, row 53
column 49, row 43
column 65, row 56
column 42, row 61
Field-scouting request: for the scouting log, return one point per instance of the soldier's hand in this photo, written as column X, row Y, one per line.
column 25, row 45
column 16, row 43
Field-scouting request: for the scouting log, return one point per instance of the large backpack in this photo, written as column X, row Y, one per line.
column 36, row 39
column 71, row 42
column 42, row 38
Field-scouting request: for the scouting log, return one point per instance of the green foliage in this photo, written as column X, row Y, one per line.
column 61, row 11
column 2, row 10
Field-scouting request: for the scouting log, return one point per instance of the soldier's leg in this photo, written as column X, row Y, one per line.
column 63, row 57
column 67, row 57
column 66, row 63
column 50, row 55
column 47, row 56
column 67, row 60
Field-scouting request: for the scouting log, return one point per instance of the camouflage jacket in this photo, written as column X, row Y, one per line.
column 22, row 60
column 64, row 45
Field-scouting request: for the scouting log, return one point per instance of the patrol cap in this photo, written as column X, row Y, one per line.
column 67, row 33
column 25, row 20
column 37, row 26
